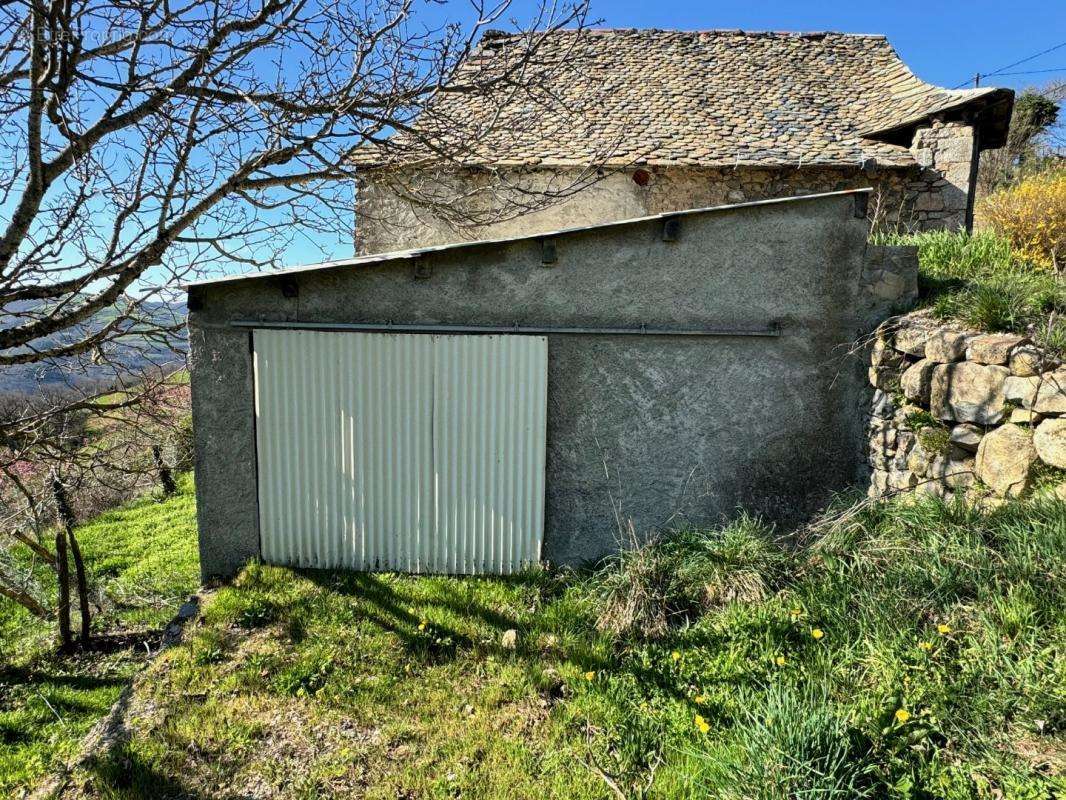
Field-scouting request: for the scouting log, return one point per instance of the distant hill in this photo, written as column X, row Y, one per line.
column 133, row 355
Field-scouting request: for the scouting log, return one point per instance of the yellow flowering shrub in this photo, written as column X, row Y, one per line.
column 1032, row 215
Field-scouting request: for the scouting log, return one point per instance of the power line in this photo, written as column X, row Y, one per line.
column 1000, row 71
column 1030, row 72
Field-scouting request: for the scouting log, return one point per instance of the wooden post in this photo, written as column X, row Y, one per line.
column 66, row 519
column 83, row 587
column 166, row 480
column 63, row 573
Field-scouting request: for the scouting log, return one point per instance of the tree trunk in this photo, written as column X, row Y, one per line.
column 63, row 574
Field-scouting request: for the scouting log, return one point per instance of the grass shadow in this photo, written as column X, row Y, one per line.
column 124, row 775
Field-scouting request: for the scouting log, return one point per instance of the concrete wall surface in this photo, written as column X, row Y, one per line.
column 665, row 430
column 455, row 206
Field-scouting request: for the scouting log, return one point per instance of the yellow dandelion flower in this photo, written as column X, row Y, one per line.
column 700, row 699
column 701, row 723
column 422, row 625
column 590, row 675
column 676, row 656
column 780, row 661
column 926, row 646
column 817, row 633
column 902, row 715
column 943, row 629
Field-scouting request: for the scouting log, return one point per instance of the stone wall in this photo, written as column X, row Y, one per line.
column 936, row 193
column 941, row 195
column 386, row 220
column 957, row 412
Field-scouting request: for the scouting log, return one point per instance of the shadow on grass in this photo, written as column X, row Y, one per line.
column 25, row 676
column 387, row 607
column 124, row 774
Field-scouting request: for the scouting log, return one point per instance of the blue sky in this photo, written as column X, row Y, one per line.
column 943, row 42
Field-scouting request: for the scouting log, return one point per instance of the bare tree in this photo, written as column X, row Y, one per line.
column 148, row 143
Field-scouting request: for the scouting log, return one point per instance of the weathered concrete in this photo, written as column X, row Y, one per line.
column 673, row 430
column 398, row 208
column 405, row 209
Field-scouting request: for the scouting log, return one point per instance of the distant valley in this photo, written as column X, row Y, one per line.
column 133, row 355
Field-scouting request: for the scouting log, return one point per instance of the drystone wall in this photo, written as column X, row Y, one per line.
column 957, row 412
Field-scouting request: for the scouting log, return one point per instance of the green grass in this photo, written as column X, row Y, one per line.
column 688, row 670
column 142, row 563
column 977, row 280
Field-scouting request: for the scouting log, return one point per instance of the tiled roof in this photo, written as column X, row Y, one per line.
column 701, row 98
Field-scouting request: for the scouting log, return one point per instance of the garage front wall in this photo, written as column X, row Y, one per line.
column 665, row 431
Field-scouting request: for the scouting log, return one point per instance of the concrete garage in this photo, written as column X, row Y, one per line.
column 484, row 406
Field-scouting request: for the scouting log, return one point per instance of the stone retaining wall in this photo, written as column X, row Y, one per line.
column 959, row 412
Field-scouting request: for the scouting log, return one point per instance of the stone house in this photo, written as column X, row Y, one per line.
column 671, row 120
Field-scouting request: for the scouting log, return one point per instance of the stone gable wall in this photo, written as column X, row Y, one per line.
column 386, row 221
column 936, row 193
column 957, row 412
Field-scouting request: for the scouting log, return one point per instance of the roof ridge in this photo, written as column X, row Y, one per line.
column 496, row 34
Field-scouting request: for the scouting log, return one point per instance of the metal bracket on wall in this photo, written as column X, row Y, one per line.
column 548, row 256
column 771, row 330
column 423, row 269
column 290, row 288
column 862, row 203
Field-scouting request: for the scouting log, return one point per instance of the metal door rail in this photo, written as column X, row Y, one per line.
column 530, row 330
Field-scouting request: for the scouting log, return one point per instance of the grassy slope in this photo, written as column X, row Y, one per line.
column 980, row 281
column 315, row 684
column 142, row 560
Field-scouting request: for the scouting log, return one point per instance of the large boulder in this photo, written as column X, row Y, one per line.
column 993, row 348
column 912, row 335
column 955, row 469
column 1029, row 360
column 1019, row 389
column 968, row 392
column 1050, row 442
column 884, row 378
column 1050, row 393
column 967, row 436
column 945, row 346
column 1005, row 461
column 916, row 379
column 883, row 354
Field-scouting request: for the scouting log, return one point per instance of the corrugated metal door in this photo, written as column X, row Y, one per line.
column 412, row 452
